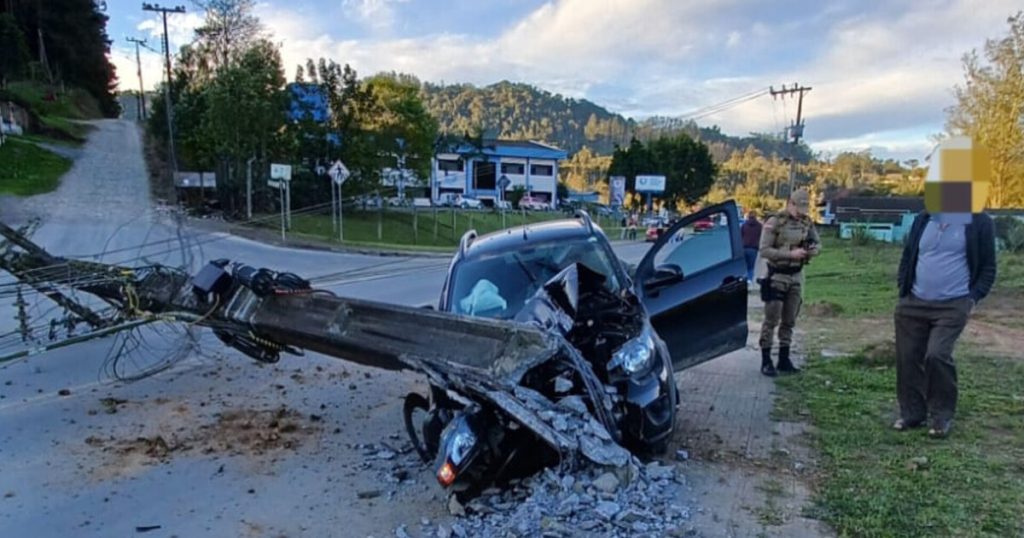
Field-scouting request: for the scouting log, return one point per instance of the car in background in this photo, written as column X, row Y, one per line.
column 655, row 228
column 703, row 225
column 466, row 202
column 533, row 203
column 504, row 205
column 447, row 199
column 421, row 202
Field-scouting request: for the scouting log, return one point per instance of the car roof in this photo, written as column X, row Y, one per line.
column 513, row 239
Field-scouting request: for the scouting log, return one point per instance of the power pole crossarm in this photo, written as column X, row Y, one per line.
column 796, row 130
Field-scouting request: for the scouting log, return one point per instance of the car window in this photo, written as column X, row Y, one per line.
column 702, row 244
column 498, row 286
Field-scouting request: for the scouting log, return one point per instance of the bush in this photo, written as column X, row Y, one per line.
column 1010, row 233
column 860, row 236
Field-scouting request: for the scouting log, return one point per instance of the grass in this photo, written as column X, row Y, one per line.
column 878, row 482
column 55, row 110
column 442, row 229
column 26, row 169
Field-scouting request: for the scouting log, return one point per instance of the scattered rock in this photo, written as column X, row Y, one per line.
column 455, row 508
column 368, row 494
column 918, row 463
column 607, row 483
column 682, row 455
column 562, row 385
column 64, row 392
column 607, row 509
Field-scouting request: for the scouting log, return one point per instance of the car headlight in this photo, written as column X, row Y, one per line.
column 462, row 443
column 636, row 355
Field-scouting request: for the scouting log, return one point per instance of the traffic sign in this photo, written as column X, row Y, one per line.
column 274, row 184
column 650, row 183
column 338, row 172
column 281, row 171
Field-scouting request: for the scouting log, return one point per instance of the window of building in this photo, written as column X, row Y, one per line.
column 542, row 170
column 448, row 165
column 513, row 168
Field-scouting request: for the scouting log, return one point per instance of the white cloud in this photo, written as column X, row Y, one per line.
column 378, row 15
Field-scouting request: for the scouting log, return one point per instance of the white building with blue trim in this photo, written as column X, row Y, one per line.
column 499, row 166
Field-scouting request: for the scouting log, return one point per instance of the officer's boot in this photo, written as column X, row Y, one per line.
column 785, row 365
column 767, row 368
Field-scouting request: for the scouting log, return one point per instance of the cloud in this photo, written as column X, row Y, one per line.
column 378, row 15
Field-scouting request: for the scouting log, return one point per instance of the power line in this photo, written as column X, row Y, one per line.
column 796, row 129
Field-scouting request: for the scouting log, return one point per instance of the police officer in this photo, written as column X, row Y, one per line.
column 788, row 241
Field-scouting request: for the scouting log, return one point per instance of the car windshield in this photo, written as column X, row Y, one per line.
column 498, row 286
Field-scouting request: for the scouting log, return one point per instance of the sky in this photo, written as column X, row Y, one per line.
column 881, row 73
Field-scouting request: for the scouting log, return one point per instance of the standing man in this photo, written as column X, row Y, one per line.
column 750, row 231
column 948, row 266
column 789, row 240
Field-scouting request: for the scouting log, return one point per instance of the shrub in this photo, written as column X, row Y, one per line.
column 1010, row 233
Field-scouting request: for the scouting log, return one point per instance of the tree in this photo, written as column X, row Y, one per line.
column 686, row 164
column 14, row 55
column 990, row 109
column 399, row 114
column 229, row 30
column 77, row 47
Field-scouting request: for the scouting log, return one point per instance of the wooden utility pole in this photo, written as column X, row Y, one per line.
column 796, row 129
column 168, row 105
column 142, row 88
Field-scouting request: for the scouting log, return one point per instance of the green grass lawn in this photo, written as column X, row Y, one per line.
column 27, row 169
column 878, row 482
column 422, row 228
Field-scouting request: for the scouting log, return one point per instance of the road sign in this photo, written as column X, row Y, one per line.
column 273, row 184
column 652, row 184
column 281, row 171
column 338, row 173
column 618, row 190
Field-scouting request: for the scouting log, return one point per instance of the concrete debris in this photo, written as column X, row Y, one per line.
column 607, row 483
column 682, row 455
column 563, row 385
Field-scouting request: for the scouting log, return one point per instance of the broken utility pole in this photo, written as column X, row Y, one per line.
column 796, row 129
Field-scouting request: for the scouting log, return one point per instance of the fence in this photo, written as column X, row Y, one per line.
column 413, row 226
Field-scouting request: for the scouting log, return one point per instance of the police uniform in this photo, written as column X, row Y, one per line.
column 783, row 284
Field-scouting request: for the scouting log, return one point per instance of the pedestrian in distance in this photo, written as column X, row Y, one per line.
column 750, row 231
column 948, row 266
column 625, row 225
column 788, row 241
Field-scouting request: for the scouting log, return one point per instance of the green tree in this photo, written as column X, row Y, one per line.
column 398, row 113
column 686, row 164
column 14, row 55
column 990, row 109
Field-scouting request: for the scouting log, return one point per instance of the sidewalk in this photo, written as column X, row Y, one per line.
column 750, row 473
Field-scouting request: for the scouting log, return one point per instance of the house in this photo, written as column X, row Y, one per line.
column 495, row 168
column 886, row 218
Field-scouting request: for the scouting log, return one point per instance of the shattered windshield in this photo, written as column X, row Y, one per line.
column 498, row 286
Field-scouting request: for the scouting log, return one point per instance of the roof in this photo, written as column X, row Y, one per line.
column 514, row 148
column 514, row 238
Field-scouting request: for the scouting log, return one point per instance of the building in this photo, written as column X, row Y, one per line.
column 499, row 166
column 885, row 218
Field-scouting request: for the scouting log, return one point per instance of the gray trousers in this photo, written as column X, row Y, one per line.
column 926, row 332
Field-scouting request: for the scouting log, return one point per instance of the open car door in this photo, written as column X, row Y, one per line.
column 693, row 283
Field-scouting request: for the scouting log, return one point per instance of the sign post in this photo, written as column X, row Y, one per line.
column 281, row 178
column 651, row 185
column 339, row 173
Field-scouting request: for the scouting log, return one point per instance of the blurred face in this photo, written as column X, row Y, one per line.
column 793, row 209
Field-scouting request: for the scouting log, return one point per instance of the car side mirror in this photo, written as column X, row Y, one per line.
column 664, row 275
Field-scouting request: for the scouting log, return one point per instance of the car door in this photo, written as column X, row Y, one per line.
column 693, row 284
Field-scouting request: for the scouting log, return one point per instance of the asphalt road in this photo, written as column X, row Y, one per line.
column 67, row 466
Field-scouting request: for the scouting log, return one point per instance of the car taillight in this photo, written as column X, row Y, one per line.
column 446, row 474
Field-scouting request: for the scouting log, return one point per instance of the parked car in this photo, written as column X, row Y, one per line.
column 395, row 201
column 660, row 324
column 447, row 199
column 703, row 225
column 533, row 203
column 655, row 228
column 421, row 202
column 466, row 202
column 503, row 204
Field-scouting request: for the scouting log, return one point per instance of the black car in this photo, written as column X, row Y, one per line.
column 689, row 299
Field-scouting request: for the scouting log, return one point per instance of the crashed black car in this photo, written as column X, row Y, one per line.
column 683, row 304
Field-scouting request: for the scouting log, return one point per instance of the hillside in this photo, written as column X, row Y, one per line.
column 516, row 110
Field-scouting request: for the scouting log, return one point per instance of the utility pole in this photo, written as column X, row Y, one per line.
column 168, row 105
column 796, row 130
column 142, row 88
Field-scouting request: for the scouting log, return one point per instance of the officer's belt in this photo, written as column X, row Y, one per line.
column 784, row 270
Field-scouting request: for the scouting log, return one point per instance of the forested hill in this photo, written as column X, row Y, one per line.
column 516, row 110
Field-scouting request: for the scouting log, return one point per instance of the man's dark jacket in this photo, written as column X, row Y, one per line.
column 981, row 255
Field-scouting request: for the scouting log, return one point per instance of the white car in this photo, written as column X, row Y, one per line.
column 468, row 203
column 503, row 204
